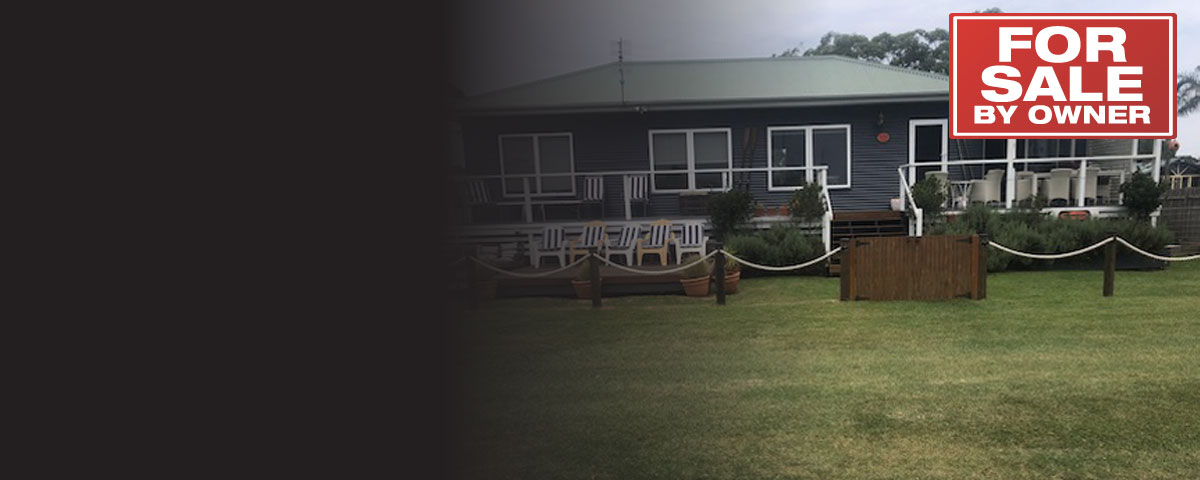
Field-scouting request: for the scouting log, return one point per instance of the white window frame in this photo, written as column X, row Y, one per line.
column 535, row 187
column 808, row 155
column 691, row 160
column 912, row 145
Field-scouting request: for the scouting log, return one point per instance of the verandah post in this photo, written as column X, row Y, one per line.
column 1110, row 267
column 594, row 263
column 719, row 270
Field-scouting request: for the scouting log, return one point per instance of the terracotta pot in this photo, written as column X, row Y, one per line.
column 695, row 287
column 783, row 211
column 731, row 281
column 486, row 290
column 759, row 211
column 583, row 289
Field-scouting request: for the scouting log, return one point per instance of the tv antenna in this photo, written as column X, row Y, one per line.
column 619, row 48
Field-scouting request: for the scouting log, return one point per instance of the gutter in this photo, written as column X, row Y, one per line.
column 705, row 105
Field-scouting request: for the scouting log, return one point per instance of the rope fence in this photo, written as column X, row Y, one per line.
column 529, row 275
column 787, row 268
column 598, row 259
column 653, row 272
column 1056, row 256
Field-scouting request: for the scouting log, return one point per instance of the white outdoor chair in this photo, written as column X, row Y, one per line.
column 693, row 241
column 1059, row 187
column 993, row 178
column 551, row 245
column 638, row 192
column 1024, row 186
column 593, row 192
column 625, row 244
column 656, row 242
column 980, row 191
column 476, row 196
column 1089, row 185
column 594, row 236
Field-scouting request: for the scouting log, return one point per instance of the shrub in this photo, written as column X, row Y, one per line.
column 778, row 246
column 1142, row 196
column 929, row 194
column 700, row 267
column 1036, row 234
column 729, row 210
column 806, row 205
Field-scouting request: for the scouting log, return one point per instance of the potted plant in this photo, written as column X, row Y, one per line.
column 583, row 281
column 733, row 273
column 759, row 209
column 783, row 211
column 696, row 278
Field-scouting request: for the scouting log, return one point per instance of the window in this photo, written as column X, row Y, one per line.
column 679, row 159
column 1051, row 148
column 538, row 155
column 810, row 146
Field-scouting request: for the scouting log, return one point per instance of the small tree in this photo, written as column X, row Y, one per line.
column 1142, row 196
column 729, row 210
column 929, row 194
column 806, row 205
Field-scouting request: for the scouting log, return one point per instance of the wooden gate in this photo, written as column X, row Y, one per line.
column 914, row 268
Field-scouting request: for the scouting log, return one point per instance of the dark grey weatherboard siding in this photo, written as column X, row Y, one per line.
column 619, row 141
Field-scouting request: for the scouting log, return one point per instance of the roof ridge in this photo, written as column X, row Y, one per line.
column 889, row 67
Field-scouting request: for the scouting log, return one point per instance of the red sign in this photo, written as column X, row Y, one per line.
column 1018, row 75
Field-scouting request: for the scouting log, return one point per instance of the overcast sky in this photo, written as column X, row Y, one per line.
column 499, row 43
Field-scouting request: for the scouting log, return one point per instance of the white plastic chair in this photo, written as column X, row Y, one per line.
column 1059, row 187
column 594, row 235
column 552, row 245
column 625, row 244
column 693, row 240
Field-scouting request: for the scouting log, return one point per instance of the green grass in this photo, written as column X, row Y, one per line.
column 1044, row 379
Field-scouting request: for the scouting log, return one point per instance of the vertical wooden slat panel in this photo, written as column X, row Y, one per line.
column 914, row 268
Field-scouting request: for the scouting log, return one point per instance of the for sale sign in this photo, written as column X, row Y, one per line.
column 1062, row 76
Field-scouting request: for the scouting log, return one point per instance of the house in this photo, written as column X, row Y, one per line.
column 637, row 141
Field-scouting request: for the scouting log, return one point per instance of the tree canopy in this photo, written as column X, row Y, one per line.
column 1188, row 89
column 927, row 50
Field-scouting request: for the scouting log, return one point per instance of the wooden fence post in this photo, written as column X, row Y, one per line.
column 719, row 271
column 983, row 266
column 594, row 263
column 845, row 262
column 1110, row 267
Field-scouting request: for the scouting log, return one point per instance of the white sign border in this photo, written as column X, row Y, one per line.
column 954, row 76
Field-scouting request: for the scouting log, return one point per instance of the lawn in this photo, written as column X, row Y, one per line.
column 1044, row 379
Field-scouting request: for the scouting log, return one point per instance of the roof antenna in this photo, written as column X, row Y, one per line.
column 619, row 46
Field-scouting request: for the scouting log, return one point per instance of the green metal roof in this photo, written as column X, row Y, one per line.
column 712, row 83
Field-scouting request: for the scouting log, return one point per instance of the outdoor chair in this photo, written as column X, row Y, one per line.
column 1058, row 190
column 625, row 244
column 1024, row 187
column 476, row 197
column 638, row 193
column 1089, row 185
column 693, row 241
column 551, row 245
column 656, row 242
column 993, row 178
column 593, row 193
column 594, row 236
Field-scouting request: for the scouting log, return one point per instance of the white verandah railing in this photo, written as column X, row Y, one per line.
column 1010, row 176
column 527, row 198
